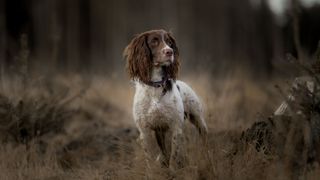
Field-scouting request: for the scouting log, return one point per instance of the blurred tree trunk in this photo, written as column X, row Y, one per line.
column 99, row 30
column 263, row 26
column 84, row 27
column 295, row 8
column 2, row 42
column 72, row 35
column 55, row 39
column 118, row 29
column 65, row 36
column 18, row 22
column 108, row 35
column 186, row 16
column 62, row 30
column 47, row 36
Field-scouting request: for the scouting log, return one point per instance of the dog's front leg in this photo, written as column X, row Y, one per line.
column 149, row 144
column 178, row 156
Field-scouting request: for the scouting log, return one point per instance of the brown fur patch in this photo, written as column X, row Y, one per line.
column 139, row 58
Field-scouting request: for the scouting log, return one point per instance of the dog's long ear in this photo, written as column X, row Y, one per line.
column 173, row 69
column 138, row 56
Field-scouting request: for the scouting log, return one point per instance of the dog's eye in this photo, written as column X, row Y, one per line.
column 169, row 42
column 155, row 41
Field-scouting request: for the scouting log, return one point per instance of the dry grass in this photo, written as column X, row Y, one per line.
column 90, row 133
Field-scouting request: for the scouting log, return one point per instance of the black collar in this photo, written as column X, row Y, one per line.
column 165, row 83
column 158, row 84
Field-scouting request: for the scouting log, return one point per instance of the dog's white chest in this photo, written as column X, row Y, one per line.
column 164, row 104
column 150, row 105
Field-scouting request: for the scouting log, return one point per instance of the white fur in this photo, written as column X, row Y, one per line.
column 153, row 109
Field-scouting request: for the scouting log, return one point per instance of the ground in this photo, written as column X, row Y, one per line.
column 69, row 127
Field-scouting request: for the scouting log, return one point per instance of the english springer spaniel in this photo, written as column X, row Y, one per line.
column 161, row 103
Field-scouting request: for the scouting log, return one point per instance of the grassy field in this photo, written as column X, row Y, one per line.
column 70, row 127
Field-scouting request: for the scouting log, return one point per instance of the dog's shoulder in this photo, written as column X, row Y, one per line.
column 188, row 96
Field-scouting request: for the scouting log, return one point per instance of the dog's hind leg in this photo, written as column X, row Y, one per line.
column 193, row 108
column 198, row 121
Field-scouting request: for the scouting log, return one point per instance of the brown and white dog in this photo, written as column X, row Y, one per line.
column 161, row 103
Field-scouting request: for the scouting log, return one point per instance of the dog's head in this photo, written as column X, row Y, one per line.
column 155, row 48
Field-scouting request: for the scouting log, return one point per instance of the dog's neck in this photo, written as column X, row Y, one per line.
column 160, row 79
column 158, row 74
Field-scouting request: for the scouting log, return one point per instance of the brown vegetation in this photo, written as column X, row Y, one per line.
column 59, row 131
